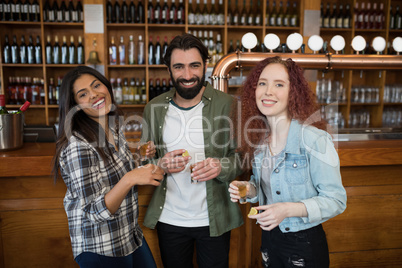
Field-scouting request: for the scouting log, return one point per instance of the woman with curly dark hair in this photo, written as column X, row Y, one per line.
column 296, row 173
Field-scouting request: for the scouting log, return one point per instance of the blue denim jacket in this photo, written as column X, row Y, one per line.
column 308, row 171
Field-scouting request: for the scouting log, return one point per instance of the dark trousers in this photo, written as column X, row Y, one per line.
column 141, row 258
column 177, row 247
column 307, row 248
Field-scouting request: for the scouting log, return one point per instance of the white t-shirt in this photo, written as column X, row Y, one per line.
column 186, row 203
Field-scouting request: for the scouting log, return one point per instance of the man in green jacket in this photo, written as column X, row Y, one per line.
column 192, row 208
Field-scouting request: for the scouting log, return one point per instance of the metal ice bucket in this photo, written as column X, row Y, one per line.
column 11, row 131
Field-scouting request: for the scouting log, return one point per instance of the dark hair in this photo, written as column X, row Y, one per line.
column 80, row 122
column 301, row 106
column 186, row 42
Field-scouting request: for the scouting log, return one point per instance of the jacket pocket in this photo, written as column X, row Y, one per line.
column 296, row 169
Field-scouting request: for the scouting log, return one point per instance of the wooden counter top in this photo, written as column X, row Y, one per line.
column 34, row 159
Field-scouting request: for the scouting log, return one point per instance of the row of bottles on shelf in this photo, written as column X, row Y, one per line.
column 214, row 45
column 123, row 13
column 22, row 89
column 204, row 16
column 337, row 17
column 64, row 54
column 392, row 117
column 276, row 15
column 393, row 93
column 16, row 10
column 132, row 92
column 173, row 14
column 395, row 19
column 63, row 13
column 131, row 53
column 22, row 53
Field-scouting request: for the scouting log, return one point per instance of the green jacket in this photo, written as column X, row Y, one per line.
column 224, row 215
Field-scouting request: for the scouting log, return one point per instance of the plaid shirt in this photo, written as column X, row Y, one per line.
column 88, row 178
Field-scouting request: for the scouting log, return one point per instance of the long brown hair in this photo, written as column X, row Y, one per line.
column 301, row 106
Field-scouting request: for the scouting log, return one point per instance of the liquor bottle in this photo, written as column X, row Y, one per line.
column 122, row 51
column 164, row 86
column 212, row 47
column 52, row 92
column 391, row 19
column 157, row 12
column 64, row 51
column 164, row 48
column 35, row 91
column 158, row 52
column 109, row 11
column 151, row 11
column 53, row 12
column 126, row 92
column 286, row 15
column 131, row 51
column 38, row 51
column 273, row 15
column 7, row 51
column 117, row 12
column 42, row 91
column 267, row 15
column 333, row 17
column 158, row 88
column 19, row 90
column 366, row 16
column 35, row 11
column 151, row 52
column 67, row 15
column 142, row 90
column 49, row 51
column 326, row 17
column 28, row 89
column 6, row 11
column 30, row 51
column 46, row 10
column 17, row 8
column 172, row 15
column 191, row 13
column 236, row 14
column 199, row 18
column 58, row 87
column 219, row 47
column 137, row 91
column 132, row 90
column 152, row 93
column 280, row 16
column 360, row 17
column 379, row 18
column 398, row 19
column 257, row 14
column 294, row 20
column 140, row 14
column 72, row 52
column 231, row 48
column 80, row 12
column 372, row 16
column 339, row 17
column 56, row 51
column 80, row 51
column 25, row 16
column 112, row 52
column 61, row 13
column 243, row 15
column 3, row 109
column 205, row 14
column 11, row 10
column 15, row 51
column 131, row 12
column 347, row 17
column 221, row 13
column 72, row 12
column 119, row 92
column 23, row 108
column 180, row 13
column 124, row 12
column 23, row 51
column 165, row 15
column 1, row 11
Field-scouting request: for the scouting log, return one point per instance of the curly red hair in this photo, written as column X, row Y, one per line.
column 301, row 106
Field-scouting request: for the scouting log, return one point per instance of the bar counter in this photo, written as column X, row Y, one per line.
column 34, row 231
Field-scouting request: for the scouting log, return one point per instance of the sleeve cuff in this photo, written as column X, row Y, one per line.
column 313, row 210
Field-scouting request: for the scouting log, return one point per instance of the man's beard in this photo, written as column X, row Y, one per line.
column 188, row 93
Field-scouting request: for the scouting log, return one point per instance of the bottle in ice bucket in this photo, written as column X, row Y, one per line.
column 23, row 108
column 3, row 109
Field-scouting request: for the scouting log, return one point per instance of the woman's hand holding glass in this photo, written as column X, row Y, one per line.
column 149, row 174
column 237, row 194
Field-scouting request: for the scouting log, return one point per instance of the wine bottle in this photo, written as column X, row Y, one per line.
column 140, row 15
column 164, row 86
column 398, row 18
column 131, row 12
column 1, row 10
column 30, row 51
column 360, row 17
column 141, row 50
column 19, row 90
column 380, row 17
column 347, row 17
column 164, row 48
column 157, row 12
column 372, row 16
column 213, row 16
column 243, row 15
column 236, row 14
column 327, row 17
column 126, row 92
column 137, row 92
column 53, row 12
column 122, row 51
column 173, row 13
column 49, row 51
column 17, row 8
column 28, row 89
column 133, row 91
column 123, row 12
column 164, row 16
column 38, row 51
column 46, row 9
column 67, row 15
column 3, row 109
column 109, row 11
column 15, row 51
column 72, row 12
column 279, row 17
column 58, row 87
column 221, row 13
column 56, row 51
column 332, row 18
column 64, row 51
column 52, row 91
column 119, row 92
column 42, row 91
column 158, row 88
column 321, row 16
column 11, row 10
column 366, row 16
column 287, row 15
column 180, row 13
column 158, row 51
column 273, row 15
column 72, row 52
column 151, row 13
column 7, row 51
column 112, row 52
column 231, row 48
column 80, row 13
column 143, row 92
column 257, row 14
column 25, row 16
column 80, row 51
column 61, row 13
column 117, row 11
column 199, row 18
column 151, row 52
column 23, row 51
column 35, row 11
column 151, row 89
column 205, row 14
column 6, row 11
column 35, row 91
column 131, row 50
column 191, row 13
column 23, row 108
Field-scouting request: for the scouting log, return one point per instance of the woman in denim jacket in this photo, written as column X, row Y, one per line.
column 296, row 173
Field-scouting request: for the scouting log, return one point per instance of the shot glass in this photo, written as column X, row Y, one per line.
column 242, row 193
column 191, row 171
